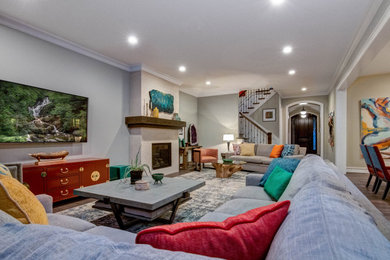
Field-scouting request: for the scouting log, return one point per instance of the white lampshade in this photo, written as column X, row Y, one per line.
column 228, row 137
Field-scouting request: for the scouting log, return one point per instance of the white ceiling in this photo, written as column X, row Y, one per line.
column 234, row 44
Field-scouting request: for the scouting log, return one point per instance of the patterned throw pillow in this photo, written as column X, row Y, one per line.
column 288, row 150
column 4, row 170
column 236, row 149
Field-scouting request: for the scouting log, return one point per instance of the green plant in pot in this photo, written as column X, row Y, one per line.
column 136, row 169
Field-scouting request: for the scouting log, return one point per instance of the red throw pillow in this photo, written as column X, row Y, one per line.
column 245, row 236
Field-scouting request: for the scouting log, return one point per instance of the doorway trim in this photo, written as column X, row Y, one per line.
column 321, row 120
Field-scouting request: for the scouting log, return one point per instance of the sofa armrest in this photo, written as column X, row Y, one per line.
column 46, row 201
column 253, row 179
column 16, row 170
column 299, row 156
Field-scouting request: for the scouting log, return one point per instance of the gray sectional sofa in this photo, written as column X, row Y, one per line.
column 261, row 160
column 329, row 218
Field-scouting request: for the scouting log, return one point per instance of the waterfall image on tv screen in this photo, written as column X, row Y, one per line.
column 30, row 114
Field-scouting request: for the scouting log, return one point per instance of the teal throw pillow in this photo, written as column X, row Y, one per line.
column 286, row 163
column 277, row 182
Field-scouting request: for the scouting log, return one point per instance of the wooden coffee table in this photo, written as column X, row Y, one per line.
column 227, row 170
column 124, row 200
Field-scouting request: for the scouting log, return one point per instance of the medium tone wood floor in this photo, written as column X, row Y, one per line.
column 360, row 180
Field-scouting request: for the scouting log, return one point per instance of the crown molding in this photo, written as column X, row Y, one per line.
column 145, row 68
column 56, row 40
column 372, row 26
column 18, row 25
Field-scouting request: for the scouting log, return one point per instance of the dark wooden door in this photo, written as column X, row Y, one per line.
column 304, row 132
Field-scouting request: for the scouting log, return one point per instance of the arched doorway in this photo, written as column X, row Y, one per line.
column 304, row 132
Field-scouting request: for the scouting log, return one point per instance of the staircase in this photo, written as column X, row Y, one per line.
column 253, row 99
column 250, row 101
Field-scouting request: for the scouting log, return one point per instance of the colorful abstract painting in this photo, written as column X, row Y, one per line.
column 163, row 102
column 375, row 122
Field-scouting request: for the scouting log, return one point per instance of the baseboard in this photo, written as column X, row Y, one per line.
column 357, row 169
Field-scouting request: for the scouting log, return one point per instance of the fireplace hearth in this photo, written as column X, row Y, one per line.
column 161, row 155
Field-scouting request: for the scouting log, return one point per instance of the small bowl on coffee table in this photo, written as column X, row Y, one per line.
column 157, row 177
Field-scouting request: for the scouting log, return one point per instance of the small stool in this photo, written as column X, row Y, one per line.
column 117, row 172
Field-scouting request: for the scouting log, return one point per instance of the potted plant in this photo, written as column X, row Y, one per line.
column 136, row 169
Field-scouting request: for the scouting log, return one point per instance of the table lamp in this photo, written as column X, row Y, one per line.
column 227, row 138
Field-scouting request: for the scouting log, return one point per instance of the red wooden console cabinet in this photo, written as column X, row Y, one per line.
column 59, row 179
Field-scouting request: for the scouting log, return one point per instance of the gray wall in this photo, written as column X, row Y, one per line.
column 188, row 110
column 273, row 126
column 217, row 115
column 28, row 60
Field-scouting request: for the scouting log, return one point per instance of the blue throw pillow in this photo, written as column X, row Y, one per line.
column 288, row 150
column 285, row 163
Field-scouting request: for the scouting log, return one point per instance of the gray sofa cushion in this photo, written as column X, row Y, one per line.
column 382, row 223
column 215, row 216
column 311, row 168
column 252, row 159
column 50, row 242
column 116, row 235
column 264, row 149
column 253, row 179
column 69, row 222
column 324, row 223
column 6, row 218
column 239, row 206
column 252, row 192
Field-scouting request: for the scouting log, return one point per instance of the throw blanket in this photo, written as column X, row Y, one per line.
column 19, row 241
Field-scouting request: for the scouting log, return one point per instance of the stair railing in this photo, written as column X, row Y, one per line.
column 252, row 132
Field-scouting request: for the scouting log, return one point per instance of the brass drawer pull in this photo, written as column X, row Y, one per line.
column 64, row 171
column 64, row 181
column 43, row 174
column 66, row 193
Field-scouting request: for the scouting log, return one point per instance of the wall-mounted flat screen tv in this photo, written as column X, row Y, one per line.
column 35, row 115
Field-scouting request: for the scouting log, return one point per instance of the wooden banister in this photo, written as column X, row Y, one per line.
column 254, row 123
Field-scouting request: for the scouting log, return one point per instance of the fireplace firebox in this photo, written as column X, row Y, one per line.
column 161, row 155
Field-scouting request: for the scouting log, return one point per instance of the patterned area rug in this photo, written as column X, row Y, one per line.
column 204, row 200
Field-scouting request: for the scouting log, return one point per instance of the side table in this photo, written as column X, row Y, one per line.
column 226, row 155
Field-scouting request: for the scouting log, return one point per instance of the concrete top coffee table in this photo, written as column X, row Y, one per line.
column 148, row 205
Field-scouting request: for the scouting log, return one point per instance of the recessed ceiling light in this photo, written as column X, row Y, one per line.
column 277, row 2
column 208, row 83
column 133, row 40
column 291, row 72
column 304, row 88
column 182, row 68
column 303, row 103
column 287, row 49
